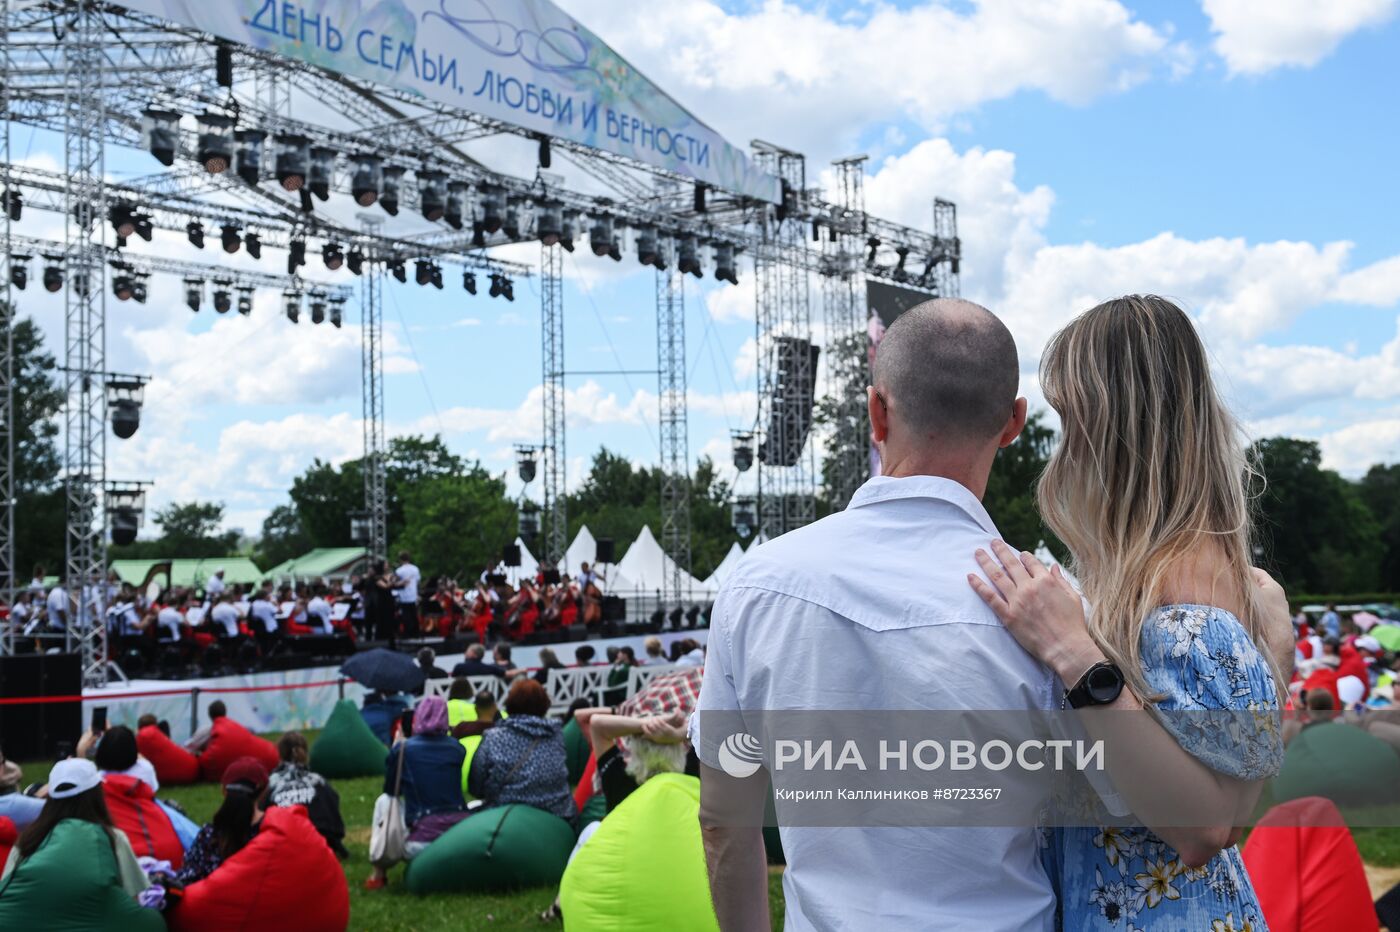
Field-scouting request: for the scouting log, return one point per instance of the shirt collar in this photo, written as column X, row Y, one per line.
column 892, row 488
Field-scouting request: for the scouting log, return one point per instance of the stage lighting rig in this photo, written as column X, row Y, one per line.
column 125, row 505
column 600, row 235
column 318, row 307
column 392, row 179
column 699, row 205
column 648, row 251
column 726, row 270
column 873, row 243
column 333, row 256
column 743, row 449
column 366, row 178
column 123, row 281
column 322, row 171
column 432, row 195
column 492, row 209
column 337, row 311
column 456, row 204
column 230, row 238
column 123, row 220
column 742, row 516
column 528, row 523
column 223, row 298
column 502, row 287
column 356, row 261
column 195, row 231
column 223, row 64
column 688, row 257
column 899, row 274
column 291, row 301
column 568, row 231
column 14, row 204
column 248, row 157
column 422, row 271
column 293, row 161
column 511, row 225
column 545, row 158
column 19, row 271
column 124, row 397
column 215, row 142
column 526, row 456
column 396, row 269
column 296, row 255
column 194, row 293
column 469, row 281
column 140, row 287
column 549, row 224
column 245, row 300
column 253, row 244
column 160, row 130
column 53, row 273
column 478, row 235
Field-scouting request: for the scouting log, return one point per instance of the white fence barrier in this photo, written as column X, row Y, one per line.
column 564, row 686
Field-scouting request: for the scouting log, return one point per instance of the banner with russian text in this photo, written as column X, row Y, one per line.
column 525, row 62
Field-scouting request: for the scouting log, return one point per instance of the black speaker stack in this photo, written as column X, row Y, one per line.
column 30, row 731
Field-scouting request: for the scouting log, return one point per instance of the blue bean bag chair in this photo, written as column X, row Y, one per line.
column 501, row 848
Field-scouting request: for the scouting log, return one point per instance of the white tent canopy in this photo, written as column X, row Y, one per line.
column 528, row 567
column 647, row 566
column 726, row 566
column 581, row 551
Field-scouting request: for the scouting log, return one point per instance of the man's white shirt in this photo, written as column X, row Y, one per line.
column 319, row 610
column 225, row 615
column 410, row 575
column 168, row 624
column 265, row 613
column 58, row 607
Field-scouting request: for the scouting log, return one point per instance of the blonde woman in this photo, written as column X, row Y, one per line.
column 1148, row 490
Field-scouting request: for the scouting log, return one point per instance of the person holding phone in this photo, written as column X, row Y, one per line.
column 14, row 805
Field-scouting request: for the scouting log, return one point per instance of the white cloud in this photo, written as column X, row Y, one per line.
column 1352, row 449
column 1255, row 36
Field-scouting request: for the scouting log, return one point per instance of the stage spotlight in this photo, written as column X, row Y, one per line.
column 366, row 179
column 899, row 274
column 726, row 269
column 126, row 417
column 742, row 516
column 139, row 288
column 422, row 271
column 230, row 238
column 322, row 171
column 337, row 312
column 296, row 255
column 647, row 251
column 600, row 235
column 161, row 129
column 456, row 204
column 743, row 450
column 478, row 235
column 492, row 209
column 14, row 204
column 292, row 305
column 333, row 256
column 356, row 261
column 507, row 288
column 700, row 197
column 145, row 228
column 436, row 277
column 545, row 159
column 874, row 244
column 19, row 271
column 123, row 286
column 215, row 143
column 568, row 232
column 495, row 291
column 525, row 460
column 223, row 298
column 549, row 226
column 688, row 257
column 469, row 282
column 123, row 219
column 393, row 181
column 245, row 301
column 293, row 161
column 248, row 157
column 318, row 309
column 194, row 293
column 510, row 227
column 528, row 523
column 125, row 523
column 195, row 231
column 432, row 195
column 223, row 64
column 253, row 244
column 396, row 268
column 53, row 274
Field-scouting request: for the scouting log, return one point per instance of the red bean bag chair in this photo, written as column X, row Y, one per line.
column 228, row 743
column 135, row 811
column 1324, row 679
column 8, row 836
column 174, row 765
column 286, row 877
column 1306, row 870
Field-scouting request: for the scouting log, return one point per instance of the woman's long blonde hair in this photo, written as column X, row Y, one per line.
column 1150, row 465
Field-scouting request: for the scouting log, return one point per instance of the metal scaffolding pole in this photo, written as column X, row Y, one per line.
column 847, row 361
column 675, row 442
column 372, row 411
column 7, row 348
column 85, row 410
column 556, row 519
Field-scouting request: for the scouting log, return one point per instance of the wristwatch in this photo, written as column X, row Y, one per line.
column 1100, row 685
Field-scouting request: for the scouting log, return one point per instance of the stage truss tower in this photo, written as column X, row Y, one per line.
column 372, row 405
column 675, row 440
column 556, row 519
column 7, row 347
column 847, row 360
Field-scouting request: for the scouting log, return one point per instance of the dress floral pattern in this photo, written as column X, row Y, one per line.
column 1205, row 665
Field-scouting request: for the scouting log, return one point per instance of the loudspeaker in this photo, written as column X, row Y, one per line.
column 605, row 551
column 511, row 555
column 30, row 732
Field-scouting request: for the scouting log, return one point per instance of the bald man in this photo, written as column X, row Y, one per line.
column 869, row 609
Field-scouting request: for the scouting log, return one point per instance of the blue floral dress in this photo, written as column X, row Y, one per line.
column 1127, row 879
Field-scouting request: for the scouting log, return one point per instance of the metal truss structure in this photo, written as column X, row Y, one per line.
column 7, row 348
column 95, row 72
column 847, row 362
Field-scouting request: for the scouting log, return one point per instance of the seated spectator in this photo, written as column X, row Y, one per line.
column 381, row 713
column 426, row 662
column 293, row 784
column 473, row 665
column 116, row 753
column 521, row 759
column 14, row 805
column 75, row 796
column 549, row 660
column 653, row 650
column 200, row 739
column 150, row 828
column 234, row 825
column 692, row 653
column 619, row 674
column 430, row 780
column 584, row 654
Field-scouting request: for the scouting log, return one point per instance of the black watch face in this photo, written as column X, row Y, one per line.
column 1104, row 684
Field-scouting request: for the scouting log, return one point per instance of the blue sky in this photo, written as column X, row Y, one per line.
column 1236, row 155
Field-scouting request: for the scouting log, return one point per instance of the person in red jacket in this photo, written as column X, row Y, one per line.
column 234, row 825
column 132, row 804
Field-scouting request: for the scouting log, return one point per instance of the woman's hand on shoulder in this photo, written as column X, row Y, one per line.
column 1277, row 622
column 1040, row 609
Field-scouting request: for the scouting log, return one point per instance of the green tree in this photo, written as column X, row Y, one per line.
column 1315, row 529
column 1010, row 498
column 187, row 530
column 456, row 524
column 323, row 498
column 39, row 498
column 1380, row 490
column 282, row 538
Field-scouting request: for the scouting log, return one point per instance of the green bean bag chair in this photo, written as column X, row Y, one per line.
column 71, row 885
column 576, row 751
column 495, row 849
column 346, row 747
column 1340, row 762
column 649, row 843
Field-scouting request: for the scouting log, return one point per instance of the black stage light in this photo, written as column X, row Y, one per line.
column 293, row 161
column 333, row 256
column 422, row 271
column 14, row 203
column 396, row 268
column 874, row 244
column 615, row 253
column 122, row 284
column 194, row 293
column 292, row 305
column 230, row 238
column 549, row 226
column 296, row 255
column 195, row 231
column 492, row 209
column 356, row 261
column 53, row 274
column 322, row 170
column 245, row 301
column 568, row 232
column 478, row 235
column 495, row 290
column 223, row 64
column 600, row 235
column 123, row 219
column 436, row 277
column 248, row 157
column 688, row 257
column 161, row 129
column 365, row 179
column 337, row 312
column 145, row 228
column 743, row 451
column 469, row 282
column 19, row 271
column 545, row 159
column 253, row 244
column 318, row 309
column 725, row 267
column 456, row 204
column 700, row 197
column 816, row 231
column 647, row 252
column 139, row 289
column 393, row 181
column 899, row 274
column 223, row 300
column 215, row 142
column 510, row 227
column 126, row 417
column 507, row 288
column 432, row 195
column 125, row 523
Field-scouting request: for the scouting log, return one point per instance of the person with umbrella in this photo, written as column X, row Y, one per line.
column 385, row 675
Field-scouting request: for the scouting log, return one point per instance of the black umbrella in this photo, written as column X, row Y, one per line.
column 385, row 671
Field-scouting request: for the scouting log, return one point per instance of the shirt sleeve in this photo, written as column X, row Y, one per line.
column 133, row 878
column 718, row 690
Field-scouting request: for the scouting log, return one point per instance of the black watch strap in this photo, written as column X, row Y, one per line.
column 1100, row 685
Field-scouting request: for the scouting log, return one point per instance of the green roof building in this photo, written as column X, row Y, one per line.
column 190, row 573
column 333, row 563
